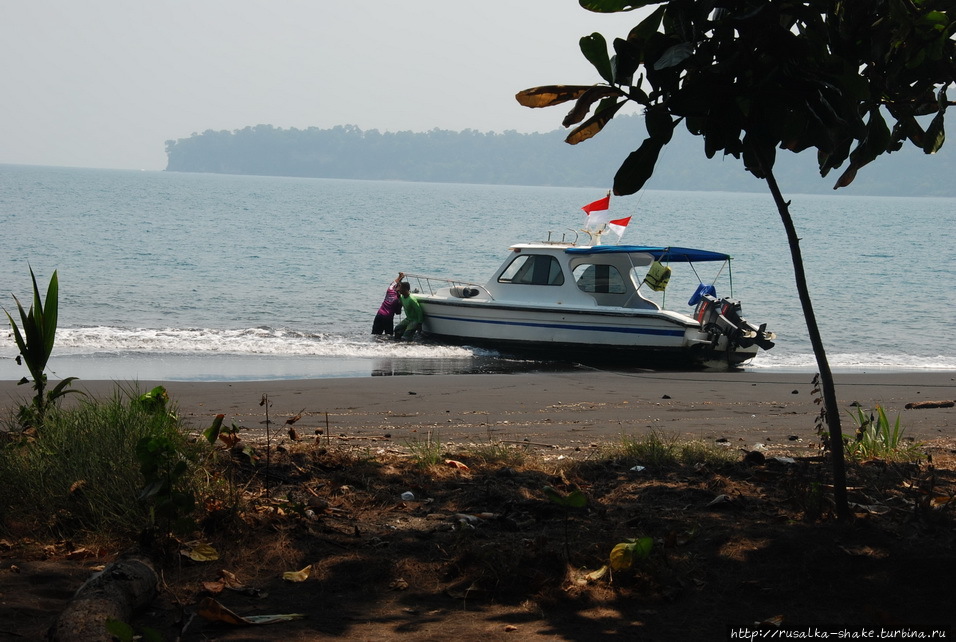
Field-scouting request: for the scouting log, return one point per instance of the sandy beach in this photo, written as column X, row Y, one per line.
column 385, row 568
column 551, row 411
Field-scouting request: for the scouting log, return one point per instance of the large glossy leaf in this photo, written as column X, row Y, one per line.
column 637, row 168
column 614, row 6
column 935, row 135
column 648, row 26
column 595, row 123
column 660, row 125
column 549, row 95
column 846, row 177
column 674, row 56
column 583, row 106
column 627, row 58
column 877, row 138
column 833, row 159
column 594, row 48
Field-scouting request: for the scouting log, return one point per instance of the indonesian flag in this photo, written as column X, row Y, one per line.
column 599, row 217
column 597, row 212
column 598, row 205
column 618, row 226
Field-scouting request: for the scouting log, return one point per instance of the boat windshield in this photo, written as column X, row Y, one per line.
column 533, row 269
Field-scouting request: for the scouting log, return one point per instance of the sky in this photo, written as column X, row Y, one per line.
column 105, row 83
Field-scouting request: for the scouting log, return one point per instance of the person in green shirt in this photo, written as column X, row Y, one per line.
column 414, row 316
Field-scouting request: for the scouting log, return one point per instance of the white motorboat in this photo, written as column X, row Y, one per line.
column 594, row 304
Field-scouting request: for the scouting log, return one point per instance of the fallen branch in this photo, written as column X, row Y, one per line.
column 125, row 585
column 915, row 405
column 527, row 443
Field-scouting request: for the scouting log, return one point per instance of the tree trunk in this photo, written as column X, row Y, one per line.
column 127, row 584
column 826, row 377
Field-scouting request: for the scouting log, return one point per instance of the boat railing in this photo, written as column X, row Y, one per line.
column 431, row 284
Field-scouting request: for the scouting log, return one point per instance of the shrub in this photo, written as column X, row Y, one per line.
column 80, row 474
column 877, row 437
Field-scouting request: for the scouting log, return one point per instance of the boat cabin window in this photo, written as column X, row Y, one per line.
column 599, row 279
column 533, row 269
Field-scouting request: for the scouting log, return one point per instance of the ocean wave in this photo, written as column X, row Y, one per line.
column 856, row 362
column 247, row 341
column 264, row 341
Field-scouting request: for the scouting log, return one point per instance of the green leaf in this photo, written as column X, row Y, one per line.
column 637, row 168
column 60, row 389
column 120, row 630
column 623, row 554
column 642, row 547
column 594, row 48
column 574, row 499
column 154, row 400
column 36, row 339
column 17, row 337
column 49, row 311
column 212, row 432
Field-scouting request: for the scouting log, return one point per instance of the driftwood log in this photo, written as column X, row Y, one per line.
column 128, row 583
column 929, row 404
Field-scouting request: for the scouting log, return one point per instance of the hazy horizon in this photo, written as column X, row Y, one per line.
column 104, row 84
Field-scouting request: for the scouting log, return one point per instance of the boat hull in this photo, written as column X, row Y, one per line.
column 620, row 336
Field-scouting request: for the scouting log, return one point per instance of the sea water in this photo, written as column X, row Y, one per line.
column 215, row 277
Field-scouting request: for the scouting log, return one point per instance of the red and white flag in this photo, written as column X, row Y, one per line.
column 598, row 205
column 599, row 217
column 618, row 226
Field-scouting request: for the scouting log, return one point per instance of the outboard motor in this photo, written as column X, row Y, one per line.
column 721, row 317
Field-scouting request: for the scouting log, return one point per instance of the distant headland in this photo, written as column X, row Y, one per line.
column 513, row 158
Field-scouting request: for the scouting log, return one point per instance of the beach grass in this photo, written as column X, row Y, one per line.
column 657, row 449
column 78, row 474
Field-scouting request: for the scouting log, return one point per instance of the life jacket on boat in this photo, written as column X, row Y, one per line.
column 658, row 276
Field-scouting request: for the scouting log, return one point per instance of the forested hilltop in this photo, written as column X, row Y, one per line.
column 514, row 158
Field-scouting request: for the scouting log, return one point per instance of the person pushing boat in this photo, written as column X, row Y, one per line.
column 414, row 316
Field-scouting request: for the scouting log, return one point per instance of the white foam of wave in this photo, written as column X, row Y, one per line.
column 248, row 341
column 853, row 361
column 280, row 342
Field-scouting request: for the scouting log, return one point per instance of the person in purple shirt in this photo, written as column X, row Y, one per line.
column 385, row 318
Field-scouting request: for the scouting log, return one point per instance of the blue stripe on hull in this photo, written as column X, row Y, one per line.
column 566, row 326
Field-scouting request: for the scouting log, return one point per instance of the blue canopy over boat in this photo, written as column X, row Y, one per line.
column 671, row 254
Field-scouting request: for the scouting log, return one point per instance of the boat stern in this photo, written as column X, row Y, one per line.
column 727, row 332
